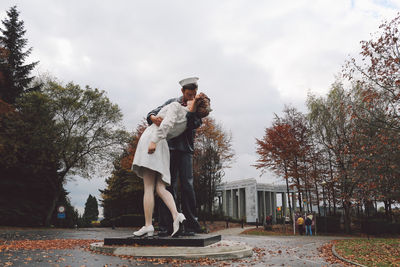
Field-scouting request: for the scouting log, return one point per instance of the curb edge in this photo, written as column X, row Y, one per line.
column 344, row 259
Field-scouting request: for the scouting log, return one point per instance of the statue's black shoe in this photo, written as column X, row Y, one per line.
column 188, row 233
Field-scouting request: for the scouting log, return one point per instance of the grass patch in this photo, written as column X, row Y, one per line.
column 372, row 252
column 261, row 231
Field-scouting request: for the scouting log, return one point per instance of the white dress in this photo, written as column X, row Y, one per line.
column 173, row 124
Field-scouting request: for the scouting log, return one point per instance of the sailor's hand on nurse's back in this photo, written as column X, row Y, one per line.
column 152, row 147
column 156, row 120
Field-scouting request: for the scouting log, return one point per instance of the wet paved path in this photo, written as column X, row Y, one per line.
column 286, row 250
column 279, row 250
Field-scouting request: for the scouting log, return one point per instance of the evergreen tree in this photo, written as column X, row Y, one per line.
column 28, row 160
column 15, row 75
column 91, row 209
column 4, row 83
column 124, row 193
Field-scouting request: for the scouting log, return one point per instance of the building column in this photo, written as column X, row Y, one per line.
column 239, row 208
column 264, row 208
column 270, row 203
column 228, row 201
column 243, row 202
column 284, row 204
column 219, row 203
column 224, row 201
column 231, row 204
column 273, row 207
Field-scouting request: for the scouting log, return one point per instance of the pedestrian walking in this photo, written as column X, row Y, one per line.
column 300, row 224
column 308, row 222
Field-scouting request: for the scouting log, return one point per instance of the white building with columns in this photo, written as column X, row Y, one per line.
column 252, row 200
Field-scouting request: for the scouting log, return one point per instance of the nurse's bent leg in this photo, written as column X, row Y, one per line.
column 167, row 197
column 164, row 217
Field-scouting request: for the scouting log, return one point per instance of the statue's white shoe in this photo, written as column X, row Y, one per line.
column 179, row 219
column 145, row 230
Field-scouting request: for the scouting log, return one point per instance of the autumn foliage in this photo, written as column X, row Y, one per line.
column 344, row 153
column 212, row 154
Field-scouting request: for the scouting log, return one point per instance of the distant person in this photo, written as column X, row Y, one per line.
column 268, row 220
column 308, row 223
column 300, row 224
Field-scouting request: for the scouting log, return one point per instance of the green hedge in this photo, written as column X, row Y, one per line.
column 211, row 217
column 379, row 227
column 328, row 224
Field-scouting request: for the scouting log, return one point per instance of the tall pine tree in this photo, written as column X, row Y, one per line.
column 91, row 209
column 14, row 74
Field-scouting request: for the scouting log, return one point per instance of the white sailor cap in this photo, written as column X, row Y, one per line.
column 191, row 80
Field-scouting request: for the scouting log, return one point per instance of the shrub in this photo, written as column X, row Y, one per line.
column 127, row 220
column 379, row 227
column 211, row 217
column 328, row 224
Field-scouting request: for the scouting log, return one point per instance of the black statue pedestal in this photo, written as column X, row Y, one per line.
column 198, row 240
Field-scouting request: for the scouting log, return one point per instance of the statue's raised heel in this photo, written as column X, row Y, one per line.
column 178, row 220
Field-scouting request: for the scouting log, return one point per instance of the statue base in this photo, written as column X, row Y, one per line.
column 222, row 250
column 198, row 240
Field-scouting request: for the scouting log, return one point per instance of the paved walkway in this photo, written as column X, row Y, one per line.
column 287, row 250
column 272, row 250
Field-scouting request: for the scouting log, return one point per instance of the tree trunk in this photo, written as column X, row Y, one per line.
column 288, row 198
column 50, row 211
column 347, row 216
column 299, row 198
column 334, row 200
column 386, row 203
column 310, row 200
column 366, row 207
column 210, row 194
column 333, row 185
column 299, row 193
column 329, row 202
column 316, row 191
column 288, row 195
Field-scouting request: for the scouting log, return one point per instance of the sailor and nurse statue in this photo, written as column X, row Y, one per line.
column 164, row 154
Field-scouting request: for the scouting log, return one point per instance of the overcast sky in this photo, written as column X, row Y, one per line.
column 252, row 57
